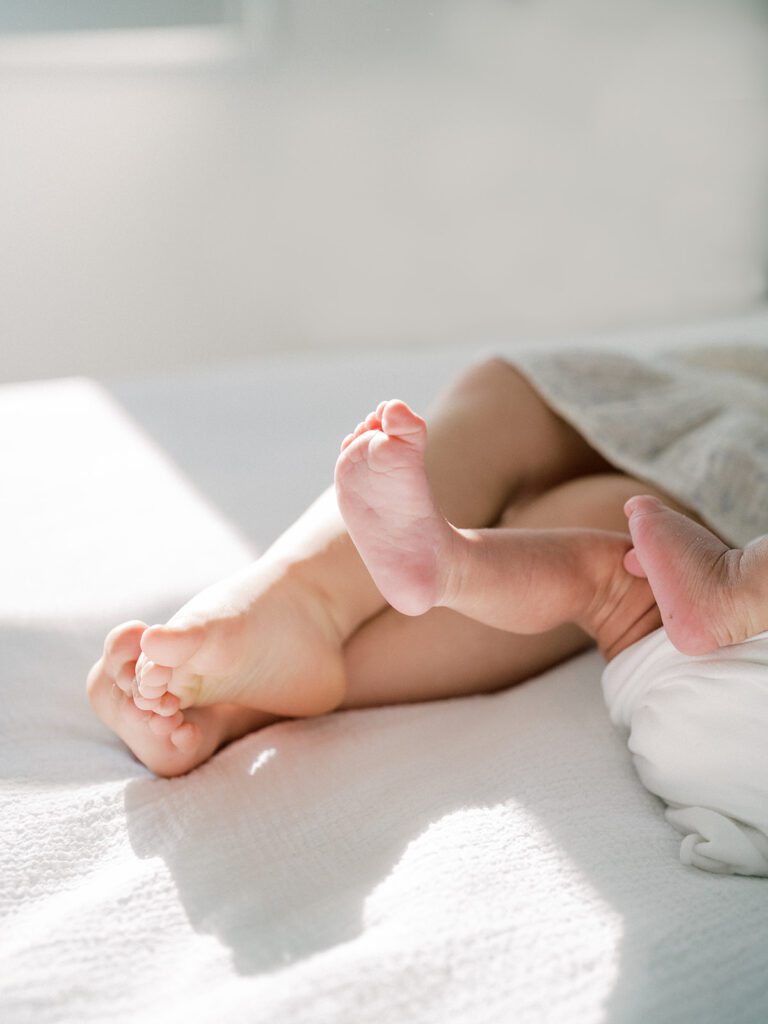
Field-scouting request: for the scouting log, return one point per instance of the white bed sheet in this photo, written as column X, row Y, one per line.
column 486, row 859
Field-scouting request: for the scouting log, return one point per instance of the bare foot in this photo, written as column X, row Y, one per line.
column 260, row 645
column 696, row 579
column 169, row 742
column 263, row 638
column 388, row 508
column 525, row 581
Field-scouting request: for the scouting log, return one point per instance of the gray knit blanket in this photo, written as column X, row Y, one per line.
column 692, row 421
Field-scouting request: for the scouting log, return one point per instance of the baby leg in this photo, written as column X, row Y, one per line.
column 271, row 638
column 526, row 581
column 393, row 658
column 396, row 658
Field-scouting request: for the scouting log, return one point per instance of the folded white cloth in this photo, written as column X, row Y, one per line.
column 698, row 736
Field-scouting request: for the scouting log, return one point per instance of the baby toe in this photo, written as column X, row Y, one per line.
column 165, row 726
column 133, row 715
column 184, row 684
column 632, row 564
column 642, row 504
column 399, row 420
column 146, row 703
column 125, row 677
column 186, row 737
column 153, row 679
column 172, row 645
column 123, row 644
column 167, row 705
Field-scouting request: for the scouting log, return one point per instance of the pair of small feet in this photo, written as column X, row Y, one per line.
column 263, row 645
column 700, row 585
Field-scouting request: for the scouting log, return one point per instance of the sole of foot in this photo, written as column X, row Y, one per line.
column 693, row 575
column 388, row 508
column 264, row 639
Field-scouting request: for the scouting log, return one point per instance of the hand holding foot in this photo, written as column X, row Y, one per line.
column 709, row 595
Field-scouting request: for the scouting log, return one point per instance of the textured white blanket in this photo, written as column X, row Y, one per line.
column 487, row 859
column 697, row 732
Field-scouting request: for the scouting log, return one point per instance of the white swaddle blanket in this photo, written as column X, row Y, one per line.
column 699, row 739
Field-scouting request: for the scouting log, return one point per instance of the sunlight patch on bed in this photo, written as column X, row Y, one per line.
column 126, row 529
column 538, row 921
column 262, row 759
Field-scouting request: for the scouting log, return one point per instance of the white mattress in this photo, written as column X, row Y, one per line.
column 486, row 859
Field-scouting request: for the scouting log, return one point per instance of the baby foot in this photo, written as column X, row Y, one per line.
column 263, row 639
column 693, row 575
column 165, row 740
column 388, row 508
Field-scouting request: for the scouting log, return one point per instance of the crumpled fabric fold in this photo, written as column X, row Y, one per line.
column 698, row 734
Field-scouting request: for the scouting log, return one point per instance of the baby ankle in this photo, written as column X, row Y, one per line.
column 620, row 608
column 456, row 565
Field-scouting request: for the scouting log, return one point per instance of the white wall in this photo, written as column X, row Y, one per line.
column 402, row 172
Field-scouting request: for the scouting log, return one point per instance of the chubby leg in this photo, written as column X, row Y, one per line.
column 709, row 595
column 270, row 639
column 392, row 658
column 524, row 581
column 396, row 658
column 271, row 636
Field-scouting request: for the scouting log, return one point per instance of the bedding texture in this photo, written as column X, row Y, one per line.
column 475, row 861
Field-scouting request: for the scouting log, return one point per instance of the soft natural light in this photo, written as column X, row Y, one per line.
column 103, row 542
column 506, row 876
column 262, row 759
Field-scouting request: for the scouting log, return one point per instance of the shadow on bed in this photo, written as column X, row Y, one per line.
column 512, row 821
column 276, row 845
column 516, row 814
